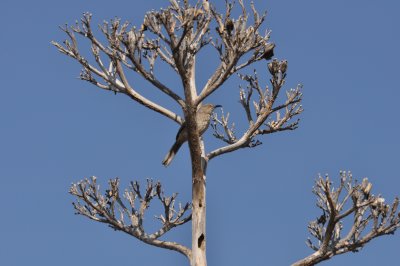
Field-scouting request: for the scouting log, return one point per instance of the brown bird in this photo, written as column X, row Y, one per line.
column 268, row 51
column 203, row 118
column 229, row 26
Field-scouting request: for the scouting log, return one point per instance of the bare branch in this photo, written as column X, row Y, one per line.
column 128, row 217
column 367, row 210
column 236, row 39
column 228, row 135
column 115, row 35
column 264, row 110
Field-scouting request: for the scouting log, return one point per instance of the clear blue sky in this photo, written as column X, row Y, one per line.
column 56, row 129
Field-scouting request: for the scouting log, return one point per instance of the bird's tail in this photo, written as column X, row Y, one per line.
column 171, row 154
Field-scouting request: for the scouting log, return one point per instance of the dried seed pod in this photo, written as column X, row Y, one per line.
column 283, row 66
column 273, row 67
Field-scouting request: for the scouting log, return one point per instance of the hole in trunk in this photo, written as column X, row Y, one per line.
column 200, row 241
column 200, row 205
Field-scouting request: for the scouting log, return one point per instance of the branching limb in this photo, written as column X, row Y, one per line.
column 126, row 214
column 120, row 47
column 235, row 40
column 183, row 30
column 175, row 35
column 228, row 134
column 264, row 114
column 371, row 218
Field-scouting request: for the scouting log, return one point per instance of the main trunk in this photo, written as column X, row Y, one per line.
column 199, row 223
column 198, row 200
column 198, row 168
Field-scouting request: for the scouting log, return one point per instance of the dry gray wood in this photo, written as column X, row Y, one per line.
column 371, row 218
column 126, row 213
column 174, row 36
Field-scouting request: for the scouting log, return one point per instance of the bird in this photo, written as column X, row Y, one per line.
column 268, row 51
column 229, row 26
column 203, row 117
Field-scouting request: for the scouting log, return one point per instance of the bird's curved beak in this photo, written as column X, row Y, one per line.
column 218, row 105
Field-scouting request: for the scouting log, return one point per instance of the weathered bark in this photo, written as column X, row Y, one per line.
column 312, row 259
column 198, row 178
column 199, row 221
column 198, row 201
column 198, row 195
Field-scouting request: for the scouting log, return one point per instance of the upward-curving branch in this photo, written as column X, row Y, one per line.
column 128, row 217
column 260, row 113
column 371, row 218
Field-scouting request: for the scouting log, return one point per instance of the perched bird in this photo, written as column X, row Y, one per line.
column 268, row 51
column 203, row 117
column 229, row 26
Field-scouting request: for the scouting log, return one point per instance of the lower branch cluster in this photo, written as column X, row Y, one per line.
column 127, row 213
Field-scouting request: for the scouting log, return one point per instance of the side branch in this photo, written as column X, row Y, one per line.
column 113, row 76
column 371, row 218
column 260, row 114
column 126, row 214
column 235, row 40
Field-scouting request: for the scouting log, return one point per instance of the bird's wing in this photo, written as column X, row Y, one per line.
column 180, row 129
